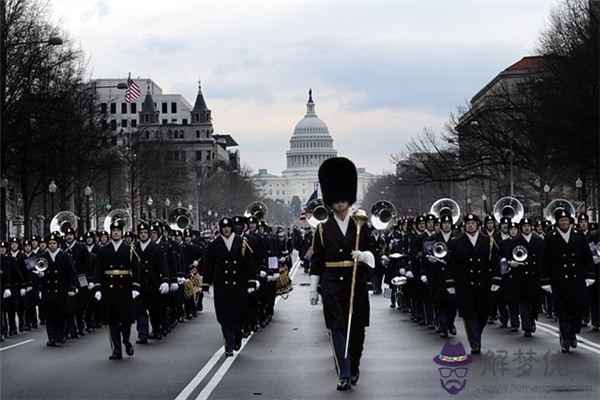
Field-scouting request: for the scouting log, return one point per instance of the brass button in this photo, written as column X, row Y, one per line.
column 226, row 271
column 110, row 286
column 566, row 276
column 234, row 261
column 470, row 259
column 226, row 261
column 471, row 270
column 478, row 259
column 234, row 272
column 573, row 264
column 234, row 283
column 226, row 282
column 341, row 278
column 341, row 250
column 526, row 273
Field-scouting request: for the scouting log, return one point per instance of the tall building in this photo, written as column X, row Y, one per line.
column 310, row 145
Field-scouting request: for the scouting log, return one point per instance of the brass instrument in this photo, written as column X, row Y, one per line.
column 193, row 286
column 180, row 218
column 509, row 207
column 440, row 250
column 118, row 214
column 557, row 204
column 41, row 264
column 446, row 206
column 520, row 253
column 284, row 283
column 383, row 214
column 256, row 209
column 319, row 212
column 63, row 221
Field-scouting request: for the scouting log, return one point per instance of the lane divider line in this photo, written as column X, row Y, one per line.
column 17, row 344
column 579, row 344
column 580, row 339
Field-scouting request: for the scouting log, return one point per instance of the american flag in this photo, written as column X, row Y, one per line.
column 133, row 90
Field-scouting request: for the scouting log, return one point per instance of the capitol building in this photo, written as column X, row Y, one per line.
column 310, row 145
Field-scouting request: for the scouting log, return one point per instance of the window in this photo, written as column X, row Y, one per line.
column 184, row 121
column 164, row 108
column 123, row 108
column 198, row 155
column 133, row 108
column 147, row 135
column 197, row 134
column 169, row 135
column 124, row 123
column 113, row 108
column 208, row 155
column 173, row 119
column 181, row 135
column 133, row 123
column 113, row 124
column 173, row 108
column 103, row 108
column 164, row 121
column 104, row 125
column 113, row 140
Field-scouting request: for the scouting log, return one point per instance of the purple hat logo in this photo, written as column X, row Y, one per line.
column 453, row 371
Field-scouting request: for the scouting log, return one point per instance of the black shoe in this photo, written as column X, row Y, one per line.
column 452, row 330
column 596, row 328
column 155, row 336
column 237, row 347
column 115, row 356
column 503, row 325
column 475, row 351
column 12, row 333
column 527, row 334
column 51, row 343
column 246, row 334
column 63, row 339
column 565, row 349
column 129, row 349
column 81, row 332
column 514, row 328
column 344, row 384
column 430, row 326
column 354, row 378
column 490, row 320
column 422, row 323
column 533, row 326
column 392, row 306
column 2, row 338
column 443, row 335
column 142, row 341
column 574, row 343
column 228, row 353
column 89, row 329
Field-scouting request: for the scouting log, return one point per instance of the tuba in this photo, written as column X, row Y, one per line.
column 180, row 218
column 63, row 221
column 41, row 264
column 555, row 205
column 256, row 209
column 446, row 206
column 520, row 253
column 383, row 214
column 118, row 214
column 509, row 207
column 319, row 212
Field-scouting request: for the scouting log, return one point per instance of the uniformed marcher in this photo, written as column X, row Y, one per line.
column 474, row 274
column 526, row 274
column 593, row 294
column 117, row 285
column 6, row 283
column 154, row 282
column 58, row 282
column 422, row 296
column 81, row 262
column 21, row 280
column 229, row 269
column 332, row 265
column 567, row 269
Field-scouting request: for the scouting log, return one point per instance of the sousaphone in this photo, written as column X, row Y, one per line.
column 63, row 221
column 383, row 214
column 509, row 207
column 555, row 205
column 118, row 215
column 446, row 206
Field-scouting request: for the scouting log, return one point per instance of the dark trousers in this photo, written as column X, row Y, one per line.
column 527, row 310
column 148, row 304
column 594, row 301
column 118, row 330
column 446, row 314
column 349, row 365
column 569, row 326
column 250, row 317
column 548, row 304
column 509, row 311
column 11, row 313
column 232, row 333
column 474, row 328
column 56, row 323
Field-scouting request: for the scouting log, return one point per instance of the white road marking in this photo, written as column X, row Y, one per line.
column 17, row 344
column 214, row 381
column 579, row 344
column 580, row 339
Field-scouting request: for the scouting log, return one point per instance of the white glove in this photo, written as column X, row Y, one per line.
column 181, row 281
column 90, row 285
column 547, row 288
column 432, row 259
column 314, row 294
column 282, row 260
column 402, row 271
column 174, row 287
column 424, row 279
column 360, row 256
column 257, row 285
column 7, row 293
column 409, row 274
column 71, row 293
column 23, row 292
column 596, row 259
column 495, row 288
column 164, row 288
column 40, row 274
column 385, row 260
column 263, row 274
column 40, row 295
column 251, row 290
column 451, row 290
column 29, row 288
column 134, row 293
column 276, row 275
column 271, row 278
column 195, row 263
column 589, row 282
column 98, row 296
column 513, row 263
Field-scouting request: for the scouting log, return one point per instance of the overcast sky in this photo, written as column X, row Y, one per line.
column 380, row 71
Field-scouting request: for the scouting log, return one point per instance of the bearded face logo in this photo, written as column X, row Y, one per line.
column 453, row 371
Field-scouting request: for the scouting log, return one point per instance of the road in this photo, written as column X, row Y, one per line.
column 292, row 359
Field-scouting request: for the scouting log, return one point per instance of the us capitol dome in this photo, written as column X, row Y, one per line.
column 310, row 145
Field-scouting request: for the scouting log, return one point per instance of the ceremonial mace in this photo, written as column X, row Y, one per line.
column 360, row 218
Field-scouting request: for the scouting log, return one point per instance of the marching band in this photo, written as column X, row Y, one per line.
column 505, row 267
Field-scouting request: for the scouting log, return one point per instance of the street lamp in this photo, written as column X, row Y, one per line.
column 52, row 189
column 579, row 185
column 484, row 198
column 88, row 194
column 469, row 205
column 179, row 204
column 546, row 191
column 150, row 202
column 167, row 205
